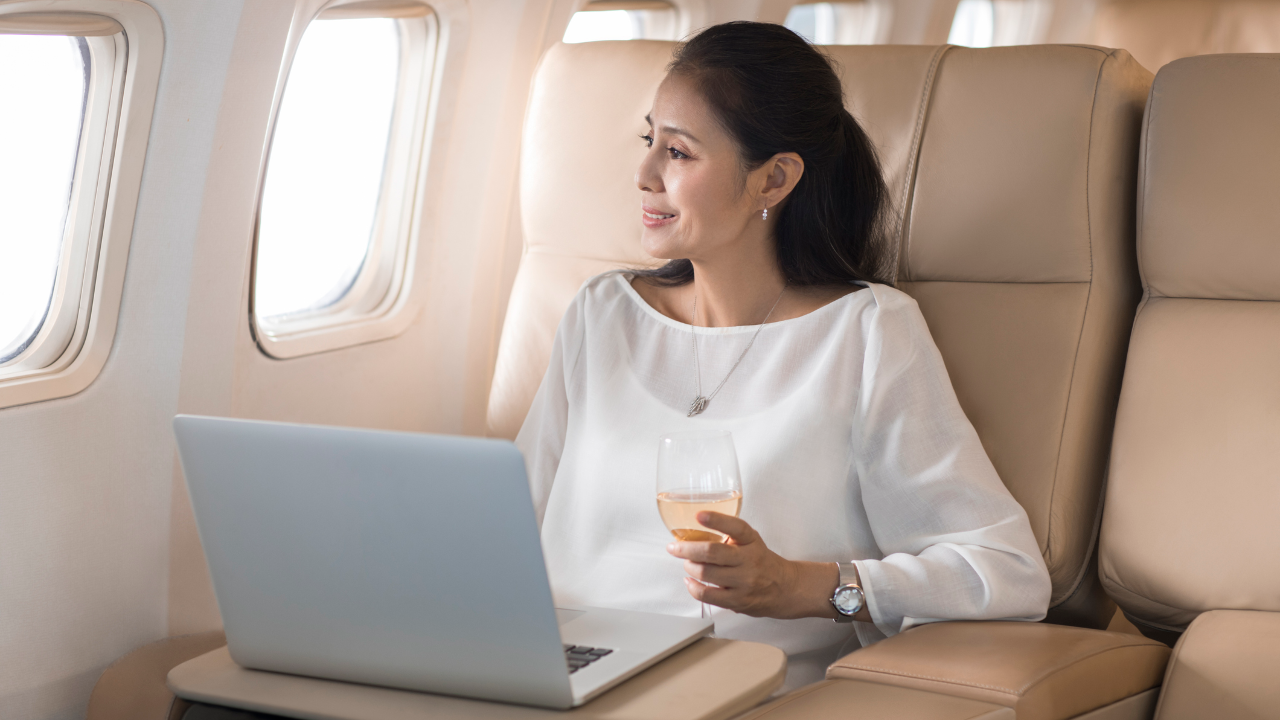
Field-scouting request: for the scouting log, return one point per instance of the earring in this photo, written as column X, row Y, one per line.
column 765, row 215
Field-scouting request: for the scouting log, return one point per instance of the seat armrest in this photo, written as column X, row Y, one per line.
column 1043, row 672
column 133, row 687
column 1226, row 665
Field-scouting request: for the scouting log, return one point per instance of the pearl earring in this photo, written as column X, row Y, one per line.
column 765, row 215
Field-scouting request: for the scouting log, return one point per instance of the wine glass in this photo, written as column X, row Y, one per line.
column 697, row 471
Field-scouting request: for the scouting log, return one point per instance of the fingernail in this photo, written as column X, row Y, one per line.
column 671, row 548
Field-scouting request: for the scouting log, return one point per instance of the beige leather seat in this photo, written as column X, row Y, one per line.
column 1012, row 171
column 1190, row 537
column 1159, row 31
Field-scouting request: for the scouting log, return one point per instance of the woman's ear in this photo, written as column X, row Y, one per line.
column 782, row 172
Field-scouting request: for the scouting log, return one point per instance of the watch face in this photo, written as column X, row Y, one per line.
column 848, row 599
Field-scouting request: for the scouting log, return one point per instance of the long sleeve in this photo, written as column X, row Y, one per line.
column 955, row 543
column 542, row 436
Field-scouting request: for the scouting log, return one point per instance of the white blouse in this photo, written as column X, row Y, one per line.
column 851, row 443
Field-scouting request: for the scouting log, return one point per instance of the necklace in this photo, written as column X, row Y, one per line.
column 700, row 402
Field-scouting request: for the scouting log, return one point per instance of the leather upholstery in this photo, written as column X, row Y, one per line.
column 1019, row 252
column 134, row 688
column 1211, row 175
column 1227, row 667
column 1160, row 31
column 873, row 701
column 1190, row 522
column 1043, row 672
column 1028, row 287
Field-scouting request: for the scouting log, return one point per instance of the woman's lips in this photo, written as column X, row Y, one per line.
column 653, row 218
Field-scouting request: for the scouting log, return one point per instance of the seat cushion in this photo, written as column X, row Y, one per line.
column 1226, row 666
column 1043, row 672
column 833, row 699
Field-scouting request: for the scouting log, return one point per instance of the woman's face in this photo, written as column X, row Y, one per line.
column 697, row 201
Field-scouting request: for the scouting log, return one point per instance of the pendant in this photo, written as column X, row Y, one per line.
column 698, row 405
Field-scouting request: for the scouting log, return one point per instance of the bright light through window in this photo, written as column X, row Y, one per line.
column 814, row 22
column 596, row 25
column 42, row 83
column 974, row 24
column 841, row 23
column 325, row 169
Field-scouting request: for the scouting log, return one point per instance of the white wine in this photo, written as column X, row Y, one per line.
column 680, row 510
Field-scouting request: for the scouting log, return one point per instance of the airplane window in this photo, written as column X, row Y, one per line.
column 338, row 214
column 611, row 20
column 841, row 23
column 974, row 24
column 46, row 78
column 326, row 165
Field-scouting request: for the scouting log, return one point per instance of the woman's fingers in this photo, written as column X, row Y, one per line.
column 737, row 529
column 720, row 597
column 707, row 552
column 724, row 576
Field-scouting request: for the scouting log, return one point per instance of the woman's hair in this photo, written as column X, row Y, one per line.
column 773, row 93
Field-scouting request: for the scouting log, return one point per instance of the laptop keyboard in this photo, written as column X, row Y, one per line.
column 580, row 656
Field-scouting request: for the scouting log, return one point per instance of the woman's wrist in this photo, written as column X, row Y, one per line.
column 815, row 584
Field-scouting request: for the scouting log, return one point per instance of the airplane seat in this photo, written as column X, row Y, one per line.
column 1019, row 246
column 1190, row 540
column 1029, row 295
column 1160, row 31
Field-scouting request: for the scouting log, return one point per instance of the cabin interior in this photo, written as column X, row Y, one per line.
column 1085, row 210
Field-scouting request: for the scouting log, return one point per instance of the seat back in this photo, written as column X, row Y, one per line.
column 1160, row 31
column 1019, row 250
column 1011, row 172
column 1190, row 524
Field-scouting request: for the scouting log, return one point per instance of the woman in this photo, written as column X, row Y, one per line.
column 773, row 319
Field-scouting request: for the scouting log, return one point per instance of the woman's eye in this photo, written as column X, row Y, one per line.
column 676, row 154
column 648, row 140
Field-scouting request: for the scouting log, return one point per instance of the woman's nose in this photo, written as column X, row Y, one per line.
column 647, row 177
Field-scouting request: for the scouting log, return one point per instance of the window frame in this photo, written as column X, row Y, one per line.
column 126, row 44
column 376, row 305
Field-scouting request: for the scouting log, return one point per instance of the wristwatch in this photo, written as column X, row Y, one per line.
column 848, row 599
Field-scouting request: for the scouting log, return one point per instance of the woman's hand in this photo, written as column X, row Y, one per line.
column 745, row 576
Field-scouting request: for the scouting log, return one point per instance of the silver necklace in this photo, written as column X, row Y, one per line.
column 700, row 402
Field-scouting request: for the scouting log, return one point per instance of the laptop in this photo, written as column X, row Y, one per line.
column 398, row 559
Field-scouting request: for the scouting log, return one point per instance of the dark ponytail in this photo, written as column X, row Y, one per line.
column 773, row 92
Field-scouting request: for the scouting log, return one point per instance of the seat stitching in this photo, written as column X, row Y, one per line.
column 1019, row 691
column 886, row 671
column 913, row 165
column 1075, row 361
column 790, row 698
column 1082, row 658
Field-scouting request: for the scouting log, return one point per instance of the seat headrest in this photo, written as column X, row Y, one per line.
column 1209, row 220
column 1005, row 190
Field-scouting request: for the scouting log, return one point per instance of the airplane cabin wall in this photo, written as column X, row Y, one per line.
column 84, row 480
